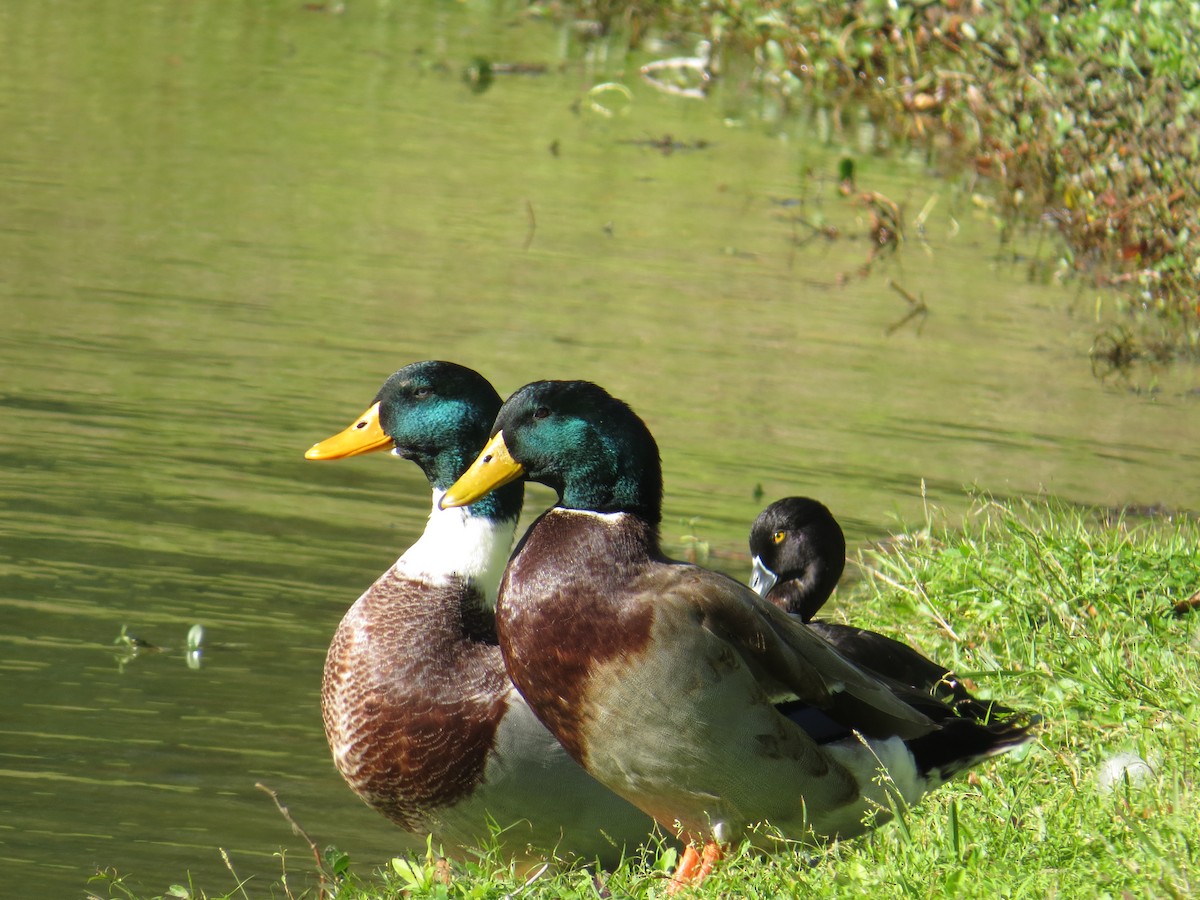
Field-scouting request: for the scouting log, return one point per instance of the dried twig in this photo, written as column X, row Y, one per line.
column 297, row 830
column 529, row 232
column 917, row 309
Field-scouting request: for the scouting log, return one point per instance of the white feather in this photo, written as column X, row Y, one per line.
column 459, row 544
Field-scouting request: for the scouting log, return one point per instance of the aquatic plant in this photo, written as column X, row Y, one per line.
column 1079, row 115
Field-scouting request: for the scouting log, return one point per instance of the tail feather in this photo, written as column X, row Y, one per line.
column 968, row 730
column 962, row 742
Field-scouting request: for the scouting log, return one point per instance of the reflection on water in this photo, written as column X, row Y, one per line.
column 224, row 224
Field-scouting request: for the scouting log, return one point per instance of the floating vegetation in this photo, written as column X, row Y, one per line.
column 1082, row 116
column 609, row 99
column 127, row 647
column 682, row 76
column 479, row 74
column 667, row 144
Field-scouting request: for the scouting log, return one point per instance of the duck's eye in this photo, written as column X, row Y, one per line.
column 779, row 536
column 541, row 412
column 422, row 392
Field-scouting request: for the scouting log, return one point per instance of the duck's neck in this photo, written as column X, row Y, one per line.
column 802, row 595
column 465, row 544
column 615, row 480
column 611, row 500
column 444, row 467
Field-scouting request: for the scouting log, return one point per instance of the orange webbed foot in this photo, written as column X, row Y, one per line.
column 694, row 867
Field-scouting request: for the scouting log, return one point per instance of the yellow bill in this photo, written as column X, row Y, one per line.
column 364, row 436
column 493, row 468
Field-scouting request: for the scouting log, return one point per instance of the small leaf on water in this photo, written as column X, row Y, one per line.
column 195, row 637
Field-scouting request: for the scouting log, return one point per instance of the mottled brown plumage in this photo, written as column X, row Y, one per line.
column 411, row 700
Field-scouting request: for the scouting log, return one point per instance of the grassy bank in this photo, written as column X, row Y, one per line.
column 1081, row 115
column 1081, row 616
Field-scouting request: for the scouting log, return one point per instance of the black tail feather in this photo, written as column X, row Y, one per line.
column 970, row 729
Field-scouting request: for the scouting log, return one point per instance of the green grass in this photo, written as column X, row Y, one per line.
column 1051, row 608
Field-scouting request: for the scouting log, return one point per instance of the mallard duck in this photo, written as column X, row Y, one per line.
column 798, row 553
column 678, row 687
column 423, row 722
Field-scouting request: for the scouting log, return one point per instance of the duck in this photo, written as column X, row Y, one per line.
column 680, row 688
column 421, row 718
column 798, row 555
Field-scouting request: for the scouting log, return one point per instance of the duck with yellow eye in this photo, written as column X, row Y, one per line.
column 679, row 688
column 798, row 553
column 423, row 722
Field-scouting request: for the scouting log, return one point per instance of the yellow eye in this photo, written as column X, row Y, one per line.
column 779, row 536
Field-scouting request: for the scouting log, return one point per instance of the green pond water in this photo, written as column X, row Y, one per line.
column 223, row 224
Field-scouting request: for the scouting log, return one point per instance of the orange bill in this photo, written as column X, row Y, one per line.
column 364, row 436
column 493, row 468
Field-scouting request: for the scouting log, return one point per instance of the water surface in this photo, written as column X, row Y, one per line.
column 222, row 225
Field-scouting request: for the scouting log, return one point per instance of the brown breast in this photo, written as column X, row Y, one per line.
column 561, row 618
column 412, row 695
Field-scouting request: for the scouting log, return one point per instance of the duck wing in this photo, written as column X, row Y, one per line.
column 931, row 687
column 790, row 660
